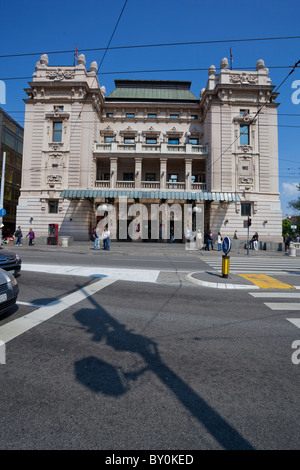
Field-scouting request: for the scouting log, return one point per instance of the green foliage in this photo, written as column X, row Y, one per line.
column 296, row 204
column 286, row 227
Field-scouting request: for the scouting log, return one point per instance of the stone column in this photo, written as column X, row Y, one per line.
column 138, row 172
column 163, row 173
column 113, row 171
column 188, row 174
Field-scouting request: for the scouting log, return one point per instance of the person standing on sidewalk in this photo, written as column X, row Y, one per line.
column 107, row 239
column 104, row 238
column 19, row 235
column 31, row 236
column 96, row 239
column 219, row 241
column 255, row 241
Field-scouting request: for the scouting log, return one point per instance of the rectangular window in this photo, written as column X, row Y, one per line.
column 57, row 131
column 151, row 140
column 244, row 135
column 246, row 208
column 109, row 115
column 53, row 207
column 108, row 139
column 130, row 115
column 173, row 141
column 129, row 140
column 150, row 176
column 151, row 116
column 174, row 116
column 173, row 178
column 193, row 141
column 194, row 116
column 128, row 177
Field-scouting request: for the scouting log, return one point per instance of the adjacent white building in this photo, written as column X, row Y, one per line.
column 150, row 143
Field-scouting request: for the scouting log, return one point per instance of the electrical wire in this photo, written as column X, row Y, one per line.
column 171, row 44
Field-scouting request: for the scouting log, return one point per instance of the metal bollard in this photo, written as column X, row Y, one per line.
column 225, row 265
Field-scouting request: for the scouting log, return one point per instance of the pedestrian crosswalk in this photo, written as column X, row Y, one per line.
column 238, row 265
column 288, row 305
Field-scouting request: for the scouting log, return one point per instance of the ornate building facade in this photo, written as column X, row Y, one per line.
column 150, row 143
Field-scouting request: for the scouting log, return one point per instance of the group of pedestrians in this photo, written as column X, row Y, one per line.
column 209, row 240
column 19, row 236
column 105, row 235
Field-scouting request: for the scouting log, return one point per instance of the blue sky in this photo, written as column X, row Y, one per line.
column 41, row 26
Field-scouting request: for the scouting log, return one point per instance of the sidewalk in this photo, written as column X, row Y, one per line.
column 146, row 248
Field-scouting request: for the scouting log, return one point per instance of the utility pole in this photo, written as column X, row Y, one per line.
column 2, row 194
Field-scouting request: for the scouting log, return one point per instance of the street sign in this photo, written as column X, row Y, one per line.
column 226, row 245
column 2, row 212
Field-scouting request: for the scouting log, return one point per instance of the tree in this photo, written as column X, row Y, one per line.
column 286, row 227
column 296, row 204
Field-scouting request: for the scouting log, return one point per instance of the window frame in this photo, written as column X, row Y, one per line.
column 57, row 132
column 246, row 209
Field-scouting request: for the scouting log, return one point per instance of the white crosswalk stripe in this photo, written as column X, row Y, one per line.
column 256, row 265
column 283, row 306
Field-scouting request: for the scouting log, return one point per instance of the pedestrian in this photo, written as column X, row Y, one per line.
column 171, row 235
column 210, row 239
column 96, row 238
column 287, row 241
column 107, row 239
column 206, row 241
column 19, row 235
column 104, row 238
column 255, row 241
column 31, row 236
column 235, row 235
column 219, row 241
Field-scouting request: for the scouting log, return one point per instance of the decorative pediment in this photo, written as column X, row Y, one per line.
column 245, row 119
column 151, row 131
column 128, row 131
column 174, row 132
column 108, row 131
column 57, row 114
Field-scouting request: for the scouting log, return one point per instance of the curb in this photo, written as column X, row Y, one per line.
column 218, row 285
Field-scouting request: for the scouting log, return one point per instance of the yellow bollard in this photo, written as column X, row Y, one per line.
column 225, row 265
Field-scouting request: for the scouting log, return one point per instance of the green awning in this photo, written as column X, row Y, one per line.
column 135, row 194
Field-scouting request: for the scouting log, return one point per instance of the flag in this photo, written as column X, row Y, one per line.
column 75, row 55
column 231, row 58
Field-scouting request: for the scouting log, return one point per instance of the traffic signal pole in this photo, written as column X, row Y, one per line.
column 248, row 240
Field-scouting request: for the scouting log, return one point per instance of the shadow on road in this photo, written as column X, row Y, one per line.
column 102, row 377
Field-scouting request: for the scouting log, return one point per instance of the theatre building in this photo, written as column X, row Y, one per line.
column 150, row 155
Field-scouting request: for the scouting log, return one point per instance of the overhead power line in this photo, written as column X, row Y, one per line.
column 136, row 46
column 197, row 69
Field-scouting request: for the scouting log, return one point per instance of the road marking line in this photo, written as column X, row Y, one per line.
column 285, row 295
column 122, row 274
column 283, row 306
column 295, row 321
column 16, row 327
column 266, row 282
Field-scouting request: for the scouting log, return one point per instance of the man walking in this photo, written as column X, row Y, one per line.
column 19, row 235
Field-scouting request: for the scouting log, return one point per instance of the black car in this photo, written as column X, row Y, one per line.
column 9, row 291
column 10, row 262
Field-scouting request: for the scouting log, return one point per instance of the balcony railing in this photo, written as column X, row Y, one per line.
column 138, row 147
column 174, row 186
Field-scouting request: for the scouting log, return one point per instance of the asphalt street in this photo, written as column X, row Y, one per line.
column 100, row 362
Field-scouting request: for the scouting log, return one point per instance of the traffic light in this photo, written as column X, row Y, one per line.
column 249, row 221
